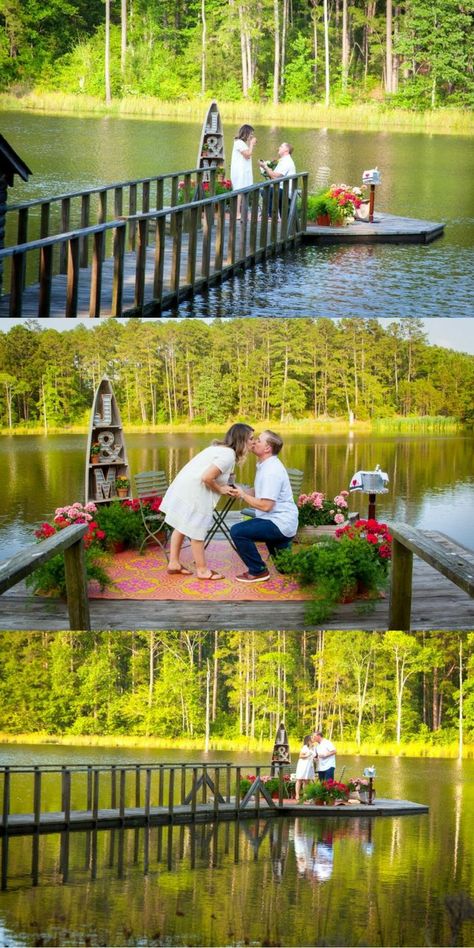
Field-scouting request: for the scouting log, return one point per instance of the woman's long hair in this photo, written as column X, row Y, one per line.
column 244, row 133
column 236, row 438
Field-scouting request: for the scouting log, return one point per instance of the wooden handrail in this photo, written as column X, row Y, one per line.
column 455, row 564
column 70, row 542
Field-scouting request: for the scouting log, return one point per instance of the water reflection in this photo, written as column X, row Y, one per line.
column 67, row 857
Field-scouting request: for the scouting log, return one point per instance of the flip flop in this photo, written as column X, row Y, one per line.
column 212, row 578
column 182, row 571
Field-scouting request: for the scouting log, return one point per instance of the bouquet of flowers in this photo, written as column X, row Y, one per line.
column 315, row 510
column 269, row 164
column 375, row 533
column 349, row 199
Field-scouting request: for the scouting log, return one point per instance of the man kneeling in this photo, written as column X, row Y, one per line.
column 276, row 514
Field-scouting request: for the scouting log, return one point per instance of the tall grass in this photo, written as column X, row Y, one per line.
column 320, row 426
column 234, row 745
column 416, row 425
column 370, row 116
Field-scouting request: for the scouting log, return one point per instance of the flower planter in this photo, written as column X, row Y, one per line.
column 117, row 546
column 313, row 534
column 95, row 458
column 122, row 491
column 323, row 220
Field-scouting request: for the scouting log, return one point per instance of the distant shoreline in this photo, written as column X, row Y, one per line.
column 345, row 748
column 360, row 116
column 308, row 426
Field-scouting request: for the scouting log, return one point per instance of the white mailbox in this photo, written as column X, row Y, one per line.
column 371, row 177
column 369, row 482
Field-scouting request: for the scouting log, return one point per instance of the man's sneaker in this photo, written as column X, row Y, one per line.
column 253, row 577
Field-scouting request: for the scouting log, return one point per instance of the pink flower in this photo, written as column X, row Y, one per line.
column 339, row 518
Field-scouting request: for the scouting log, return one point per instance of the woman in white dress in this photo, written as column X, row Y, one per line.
column 305, row 766
column 241, row 173
column 190, row 499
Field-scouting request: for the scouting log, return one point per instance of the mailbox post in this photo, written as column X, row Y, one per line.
column 371, row 483
column 371, row 177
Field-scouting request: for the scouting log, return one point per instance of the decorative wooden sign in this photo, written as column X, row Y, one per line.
column 106, row 458
column 211, row 147
column 281, row 749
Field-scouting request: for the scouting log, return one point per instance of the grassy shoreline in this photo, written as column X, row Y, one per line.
column 331, row 426
column 345, row 748
column 372, row 116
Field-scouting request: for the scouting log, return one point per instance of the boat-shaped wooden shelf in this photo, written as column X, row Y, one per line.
column 106, row 457
column 211, row 147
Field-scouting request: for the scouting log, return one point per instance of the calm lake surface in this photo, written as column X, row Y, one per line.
column 431, row 477
column 304, row 881
column 426, row 176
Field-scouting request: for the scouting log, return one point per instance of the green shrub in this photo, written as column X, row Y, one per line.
column 50, row 577
column 121, row 523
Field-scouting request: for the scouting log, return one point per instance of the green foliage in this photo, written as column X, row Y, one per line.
column 50, row 577
column 337, row 570
column 299, row 74
column 121, row 524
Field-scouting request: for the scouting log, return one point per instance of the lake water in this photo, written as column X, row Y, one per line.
column 304, row 881
column 431, row 477
column 425, row 176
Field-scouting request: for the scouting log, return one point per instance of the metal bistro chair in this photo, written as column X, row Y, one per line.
column 149, row 485
column 296, row 480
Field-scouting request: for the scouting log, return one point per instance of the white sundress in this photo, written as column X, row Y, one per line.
column 241, row 173
column 305, row 766
column 188, row 503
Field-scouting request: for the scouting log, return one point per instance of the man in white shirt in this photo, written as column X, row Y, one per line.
column 276, row 514
column 326, row 759
column 284, row 167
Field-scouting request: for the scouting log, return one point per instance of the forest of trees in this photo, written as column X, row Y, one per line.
column 201, row 372
column 384, row 686
column 417, row 53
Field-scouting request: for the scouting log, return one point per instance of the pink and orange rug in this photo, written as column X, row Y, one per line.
column 145, row 577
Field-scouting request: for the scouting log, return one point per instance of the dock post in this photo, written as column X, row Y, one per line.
column 147, row 793
column 6, row 797
column 37, row 797
column 216, row 791
column 237, row 790
column 400, row 587
column 76, row 588
column 123, row 775
column 171, row 794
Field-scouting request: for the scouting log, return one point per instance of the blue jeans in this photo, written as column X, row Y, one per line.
column 326, row 774
column 257, row 530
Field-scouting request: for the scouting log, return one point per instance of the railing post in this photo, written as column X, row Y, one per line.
column 101, row 219
column 76, row 587
column 89, row 788
column 137, row 786
column 6, row 797
column 66, row 794
column 95, row 796
column 216, row 791
column 117, row 285
column 113, row 786
column 192, row 246
column 284, row 208
column 132, row 209
column 400, row 587
column 171, row 793
column 257, row 799
column 176, row 226
column 194, row 794
column 72, row 276
column 237, row 788
column 96, row 273
column 304, row 203
column 123, row 776
column 85, row 221
column 160, row 243
column 17, row 283
column 65, row 226
column 147, row 793
column 37, row 797
column 227, row 788
column 23, row 235
column 141, row 263
column 160, row 786
column 45, row 280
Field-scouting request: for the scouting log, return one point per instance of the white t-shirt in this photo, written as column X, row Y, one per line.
column 272, row 483
column 285, row 167
column 241, row 173
column 325, row 763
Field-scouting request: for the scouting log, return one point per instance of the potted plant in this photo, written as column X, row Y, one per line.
column 122, row 525
column 122, row 485
column 318, row 515
column 354, row 563
column 95, row 452
column 327, row 793
column 50, row 577
column 324, row 209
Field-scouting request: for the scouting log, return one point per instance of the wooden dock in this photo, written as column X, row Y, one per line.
column 436, row 604
column 385, row 229
column 23, row 824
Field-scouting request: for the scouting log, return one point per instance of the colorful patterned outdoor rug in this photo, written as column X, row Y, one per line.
column 145, row 577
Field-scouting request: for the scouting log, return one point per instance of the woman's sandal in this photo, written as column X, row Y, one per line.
column 182, row 571
column 212, row 577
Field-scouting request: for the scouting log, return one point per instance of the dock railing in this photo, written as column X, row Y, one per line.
column 104, row 795
column 173, row 251
column 452, row 562
column 69, row 542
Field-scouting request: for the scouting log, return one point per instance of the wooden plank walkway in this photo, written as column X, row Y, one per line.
column 437, row 604
column 23, row 824
column 386, row 228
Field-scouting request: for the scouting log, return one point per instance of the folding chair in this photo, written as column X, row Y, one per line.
column 148, row 486
column 296, row 480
